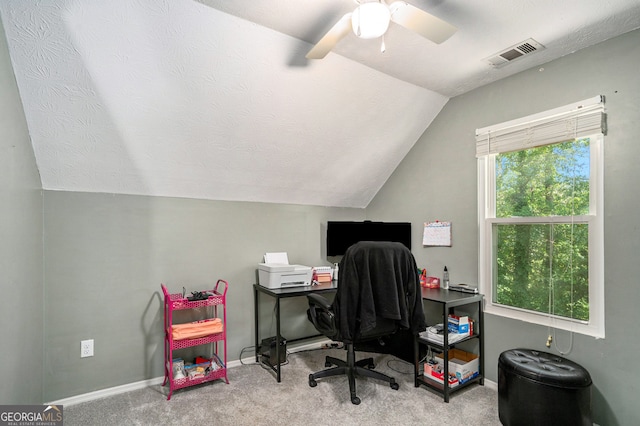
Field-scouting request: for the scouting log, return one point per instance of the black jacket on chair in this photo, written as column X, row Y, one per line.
column 382, row 277
column 378, row 294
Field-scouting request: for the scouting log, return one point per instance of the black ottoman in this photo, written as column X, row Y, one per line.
column 538, row 388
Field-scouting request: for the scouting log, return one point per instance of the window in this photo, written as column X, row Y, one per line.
column 540, row 214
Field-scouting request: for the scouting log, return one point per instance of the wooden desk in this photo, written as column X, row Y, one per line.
column 281, row 293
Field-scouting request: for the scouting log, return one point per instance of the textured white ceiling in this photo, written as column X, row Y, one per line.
column 485, row 27
column 214, row 99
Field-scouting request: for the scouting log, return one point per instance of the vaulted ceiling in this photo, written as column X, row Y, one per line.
column 214, row 99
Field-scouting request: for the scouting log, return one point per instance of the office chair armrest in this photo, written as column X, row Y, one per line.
column 322, row 317
column 318, row 300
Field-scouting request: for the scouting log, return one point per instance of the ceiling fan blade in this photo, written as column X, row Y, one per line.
column 330, row 39
column 421, row 22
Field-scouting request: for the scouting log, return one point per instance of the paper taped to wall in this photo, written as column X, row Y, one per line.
column 437, row 234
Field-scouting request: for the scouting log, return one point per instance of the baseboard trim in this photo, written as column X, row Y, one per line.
column 116, row 390
column 491, row 385
column 103, row 393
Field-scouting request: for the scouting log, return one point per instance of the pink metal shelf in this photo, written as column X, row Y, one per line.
column 174, row 302
column 187, row 343
column 186, row 382
column 177, row 302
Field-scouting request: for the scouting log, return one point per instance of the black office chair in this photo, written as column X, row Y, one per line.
column 378, row 294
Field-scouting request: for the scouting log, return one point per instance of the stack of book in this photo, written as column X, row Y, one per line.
column 323, row 274
column 435, row 334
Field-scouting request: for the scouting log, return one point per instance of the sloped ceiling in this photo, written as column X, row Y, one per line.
column 214, row 99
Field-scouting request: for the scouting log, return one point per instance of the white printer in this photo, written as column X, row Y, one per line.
column 276, row 272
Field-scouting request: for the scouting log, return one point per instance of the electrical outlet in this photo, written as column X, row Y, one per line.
column 86, row 348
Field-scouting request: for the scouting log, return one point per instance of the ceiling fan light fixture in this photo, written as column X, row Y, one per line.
column 370, row 20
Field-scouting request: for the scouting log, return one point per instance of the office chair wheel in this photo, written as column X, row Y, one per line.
column 355, row 400
column 312, row 381
column 394, row 386
column 327, row 364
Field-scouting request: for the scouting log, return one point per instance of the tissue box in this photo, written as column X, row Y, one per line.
column 458, row 324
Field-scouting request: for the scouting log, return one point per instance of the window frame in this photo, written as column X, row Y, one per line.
column 595, row 220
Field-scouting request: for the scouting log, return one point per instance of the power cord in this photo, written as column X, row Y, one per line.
column 402, row 362
column 262, row 364
column 243, row 350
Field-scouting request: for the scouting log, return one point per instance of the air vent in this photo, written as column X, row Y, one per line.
column 517, row 51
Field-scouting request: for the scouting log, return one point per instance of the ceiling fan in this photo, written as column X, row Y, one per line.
column 371, row 20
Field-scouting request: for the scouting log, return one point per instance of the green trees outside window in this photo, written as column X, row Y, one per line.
column 541, row 257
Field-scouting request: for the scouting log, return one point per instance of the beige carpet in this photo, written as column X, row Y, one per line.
column 253, row 397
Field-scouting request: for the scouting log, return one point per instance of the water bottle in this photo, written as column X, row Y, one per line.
column 445, row 279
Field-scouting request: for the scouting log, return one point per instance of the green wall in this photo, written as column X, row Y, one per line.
column 438, row 180
column 21, row 279
column 106, row 256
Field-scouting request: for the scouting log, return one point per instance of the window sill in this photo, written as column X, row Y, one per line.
column 545, row 320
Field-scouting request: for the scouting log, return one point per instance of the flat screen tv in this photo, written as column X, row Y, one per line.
column 342, row 235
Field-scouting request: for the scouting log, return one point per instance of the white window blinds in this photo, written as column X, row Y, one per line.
column 557, row 125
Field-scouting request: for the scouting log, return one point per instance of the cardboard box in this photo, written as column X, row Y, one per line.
column 463, row 364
